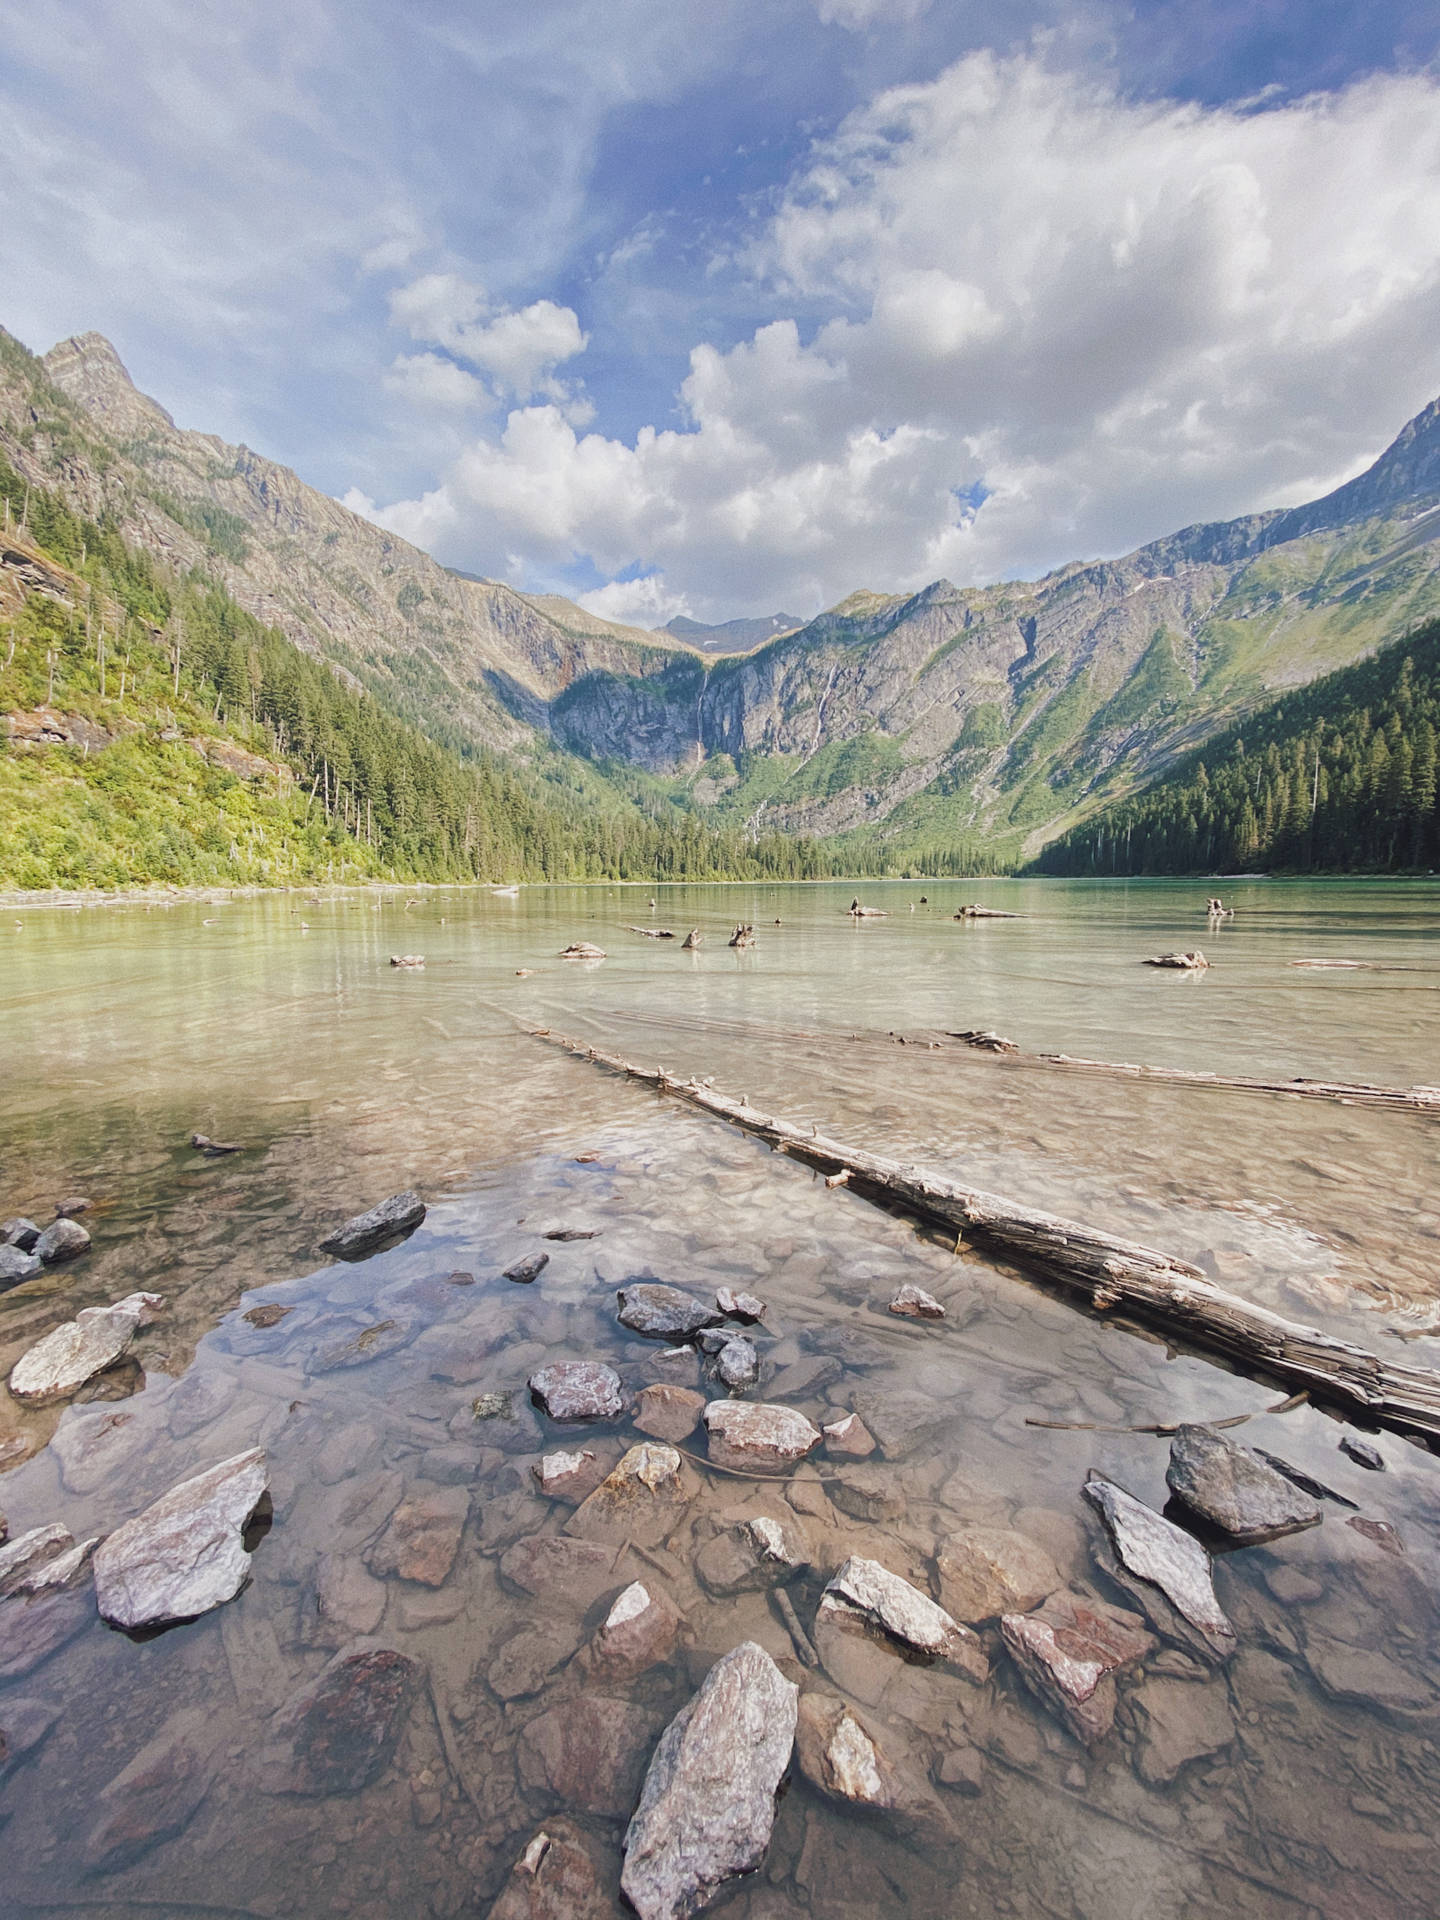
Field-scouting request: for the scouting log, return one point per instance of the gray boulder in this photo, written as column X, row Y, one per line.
column 707, row 1808
column 186, row 1553
column 16, row 1266
column 75, row 1352
column 368, row 1232
column 663, row 1313
column 1165, row 1569
column 19, row 1232
column 1234, row 1490
column 63, row 1239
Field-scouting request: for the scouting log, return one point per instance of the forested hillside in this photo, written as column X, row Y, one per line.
column 158, row 732
column 1338, row 777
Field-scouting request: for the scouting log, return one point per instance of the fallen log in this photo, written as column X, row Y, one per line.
column 650, row 933
column 692, row 940
column 975, row 912
column 1192, row 962
column 1109, row 1273
column 743, row 936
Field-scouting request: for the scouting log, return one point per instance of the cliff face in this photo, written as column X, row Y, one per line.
column 1008, row 711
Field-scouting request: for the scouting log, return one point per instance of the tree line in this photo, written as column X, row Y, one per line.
column 1339, row 776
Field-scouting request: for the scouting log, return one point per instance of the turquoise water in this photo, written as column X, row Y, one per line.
column 278, row 1022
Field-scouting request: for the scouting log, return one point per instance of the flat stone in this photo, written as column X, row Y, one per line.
column 75, row 1352
column 27, row 1552
column 63, row 1239
column 986, row 1571
column 707, row 1808
column 867, row 1493
column 642, row 1500
column 807, row 1378
column 962, row 1770
column 752, row 1555
column 50, row 1572
column 19, row 1232
column 738, row 1364
column 16, row 1267
column 31, row 1629
column 423, row 1536
column 554, row 1879
column 366, row 1233
column 758, row 1436
column 914, row 1303
column 1178, row 1723
column 23, row 1725
column 661, row 1312
column 1367, row 1675
column 1362, row 1453
column 345, row 1601
column 638, row 1633
column 157, row 1794
column 522, row 1272
column 669, row 1413
column 588, row 1753
column 567, row 1575
column 578, row 1390
column 185, row 1554
column 571, row 1477
column 1230, row 1487
column 1068, row 1653
column 528, row 1658
column 848, row 1439
column 740, row 1306
column 903, row 1421
column 1166, row 1570
column 336, row 1734
column 358, row 1349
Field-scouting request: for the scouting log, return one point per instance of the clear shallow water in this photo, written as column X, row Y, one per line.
column 125, row 1030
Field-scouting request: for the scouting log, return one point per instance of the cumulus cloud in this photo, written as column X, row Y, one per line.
column 646, row 602
column 1104, row 317
column 518, row 348
column 430, row 382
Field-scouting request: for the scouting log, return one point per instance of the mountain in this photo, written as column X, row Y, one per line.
column 992, row 718
column 730, row 636
column 1338, row 776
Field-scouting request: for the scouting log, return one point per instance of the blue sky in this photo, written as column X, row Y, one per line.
column 727, row 307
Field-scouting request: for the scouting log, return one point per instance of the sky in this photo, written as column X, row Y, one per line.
column 732, row 308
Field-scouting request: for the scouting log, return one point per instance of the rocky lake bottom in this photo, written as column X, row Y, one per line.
column 469, row 1607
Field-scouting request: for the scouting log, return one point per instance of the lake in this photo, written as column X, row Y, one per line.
column 1302, row 1778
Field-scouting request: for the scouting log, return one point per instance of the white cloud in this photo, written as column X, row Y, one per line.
column 646, row 602
column 860, row 14
column 518, row 348
column 429, row 381
column 1118, row 316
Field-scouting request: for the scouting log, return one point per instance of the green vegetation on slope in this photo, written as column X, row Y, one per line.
column 340, row 789
column 1340, row 776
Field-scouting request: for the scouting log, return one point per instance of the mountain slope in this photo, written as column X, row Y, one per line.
column 1340, row 775
column 996, row 716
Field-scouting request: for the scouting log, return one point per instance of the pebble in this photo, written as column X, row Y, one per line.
column 19, row 1232
column 16, row 1267
column 1165, row 1569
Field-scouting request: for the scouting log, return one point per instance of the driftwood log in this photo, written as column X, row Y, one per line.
column 1192, row 962
column 974, row 912
column 692, row 940
column 1109, row 1273
column 650, row 933
column 743, row 936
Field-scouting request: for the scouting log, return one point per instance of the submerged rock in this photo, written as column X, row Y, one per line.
column 1166, row 1569
column 638, row 1633
column 368, row 1232
column 157, row 1794
column 1068, row 1653
column 987, row 1571
column 662, row 1312
column 554, row 1879
column 839, row 1755
column 569, row 1476
column 669, row 1413
column 358, row 1349
column 23, row 1725
column 642, row 1500
column 336, row 1734
column 16, row 1267
column 63, row 1239
column 758, row 1437
column 32, row 1629
column 708, row 1805
column 1230, row 1487
column 1178, row 1722
column 588, row 1753
column 42, row 1558
column 95, row 1339
column 903, row 1421
column 740, row 1306
column 185, row 1554
column 849, row 1439
column 578, row 1390
column 753, row 1554
column 566, row 1574
column 528, row 1658
column 423, row 1536
column 914, row 1303
column 737, row 1363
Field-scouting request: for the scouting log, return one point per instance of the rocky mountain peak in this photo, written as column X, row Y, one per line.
column 91, row 372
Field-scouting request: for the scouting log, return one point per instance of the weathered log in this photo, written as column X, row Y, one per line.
column 976, row 912
column 1192, row 962
column 650, row 933
column 857, row 912
column 692, row 940
column 1110, row 1273
column 582, row 950
column 743, row 937
column 411, row 960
